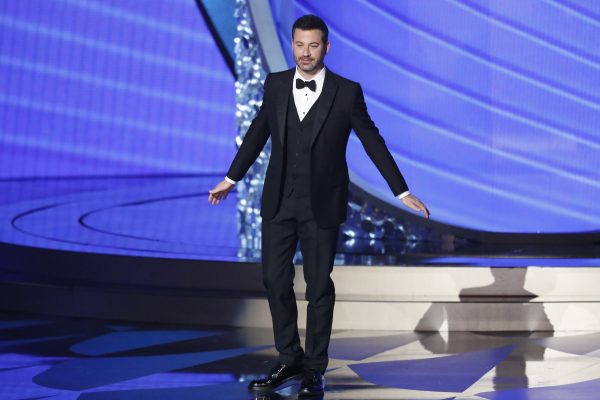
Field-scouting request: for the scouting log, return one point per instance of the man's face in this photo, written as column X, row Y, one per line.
column 309, row 51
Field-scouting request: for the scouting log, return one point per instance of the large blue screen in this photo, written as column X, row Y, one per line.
column 112, row 87
column 491, row 108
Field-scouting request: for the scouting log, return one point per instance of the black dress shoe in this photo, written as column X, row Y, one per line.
column 313, row 386
column 278, row 376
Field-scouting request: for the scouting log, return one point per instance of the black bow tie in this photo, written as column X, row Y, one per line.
column 312, row 85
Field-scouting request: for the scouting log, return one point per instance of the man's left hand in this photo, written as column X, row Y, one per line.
column 411, row 201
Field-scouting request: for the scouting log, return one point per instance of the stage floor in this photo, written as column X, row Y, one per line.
column 169, row 217
column 43, row 357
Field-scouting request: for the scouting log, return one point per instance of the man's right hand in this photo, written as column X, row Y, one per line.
column 219, row 192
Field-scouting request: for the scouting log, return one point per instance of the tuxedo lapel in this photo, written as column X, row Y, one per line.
column 283, row 94
column 283, row 97
column 324, row 104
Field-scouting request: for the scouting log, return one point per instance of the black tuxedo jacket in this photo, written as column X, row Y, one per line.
column 341, row 108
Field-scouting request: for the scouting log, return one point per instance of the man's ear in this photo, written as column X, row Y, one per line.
column 327, row 47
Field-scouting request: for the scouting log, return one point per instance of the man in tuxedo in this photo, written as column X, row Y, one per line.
column 308, row 111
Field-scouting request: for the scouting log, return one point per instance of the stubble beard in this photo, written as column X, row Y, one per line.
column 314, row 66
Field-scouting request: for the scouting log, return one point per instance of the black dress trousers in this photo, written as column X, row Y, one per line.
column 294, row 223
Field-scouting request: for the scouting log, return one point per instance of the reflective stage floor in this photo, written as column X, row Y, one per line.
column 54, row 358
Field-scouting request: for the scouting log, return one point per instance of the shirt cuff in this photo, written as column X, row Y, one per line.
column 403, row 195
column 230, row 180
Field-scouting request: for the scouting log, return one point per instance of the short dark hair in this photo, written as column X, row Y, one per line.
column 309, row 22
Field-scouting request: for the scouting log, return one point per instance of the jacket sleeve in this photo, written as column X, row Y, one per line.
column 254, row 140
column 374, row 144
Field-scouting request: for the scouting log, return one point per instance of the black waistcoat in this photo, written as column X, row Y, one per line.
column 297, row 160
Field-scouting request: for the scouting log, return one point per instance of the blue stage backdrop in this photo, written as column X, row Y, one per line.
column 117, row 87
column 491, row 108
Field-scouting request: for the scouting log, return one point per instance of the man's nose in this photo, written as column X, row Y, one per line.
column 306, row 51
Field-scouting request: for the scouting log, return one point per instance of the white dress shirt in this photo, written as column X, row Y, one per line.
column 304, row 99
